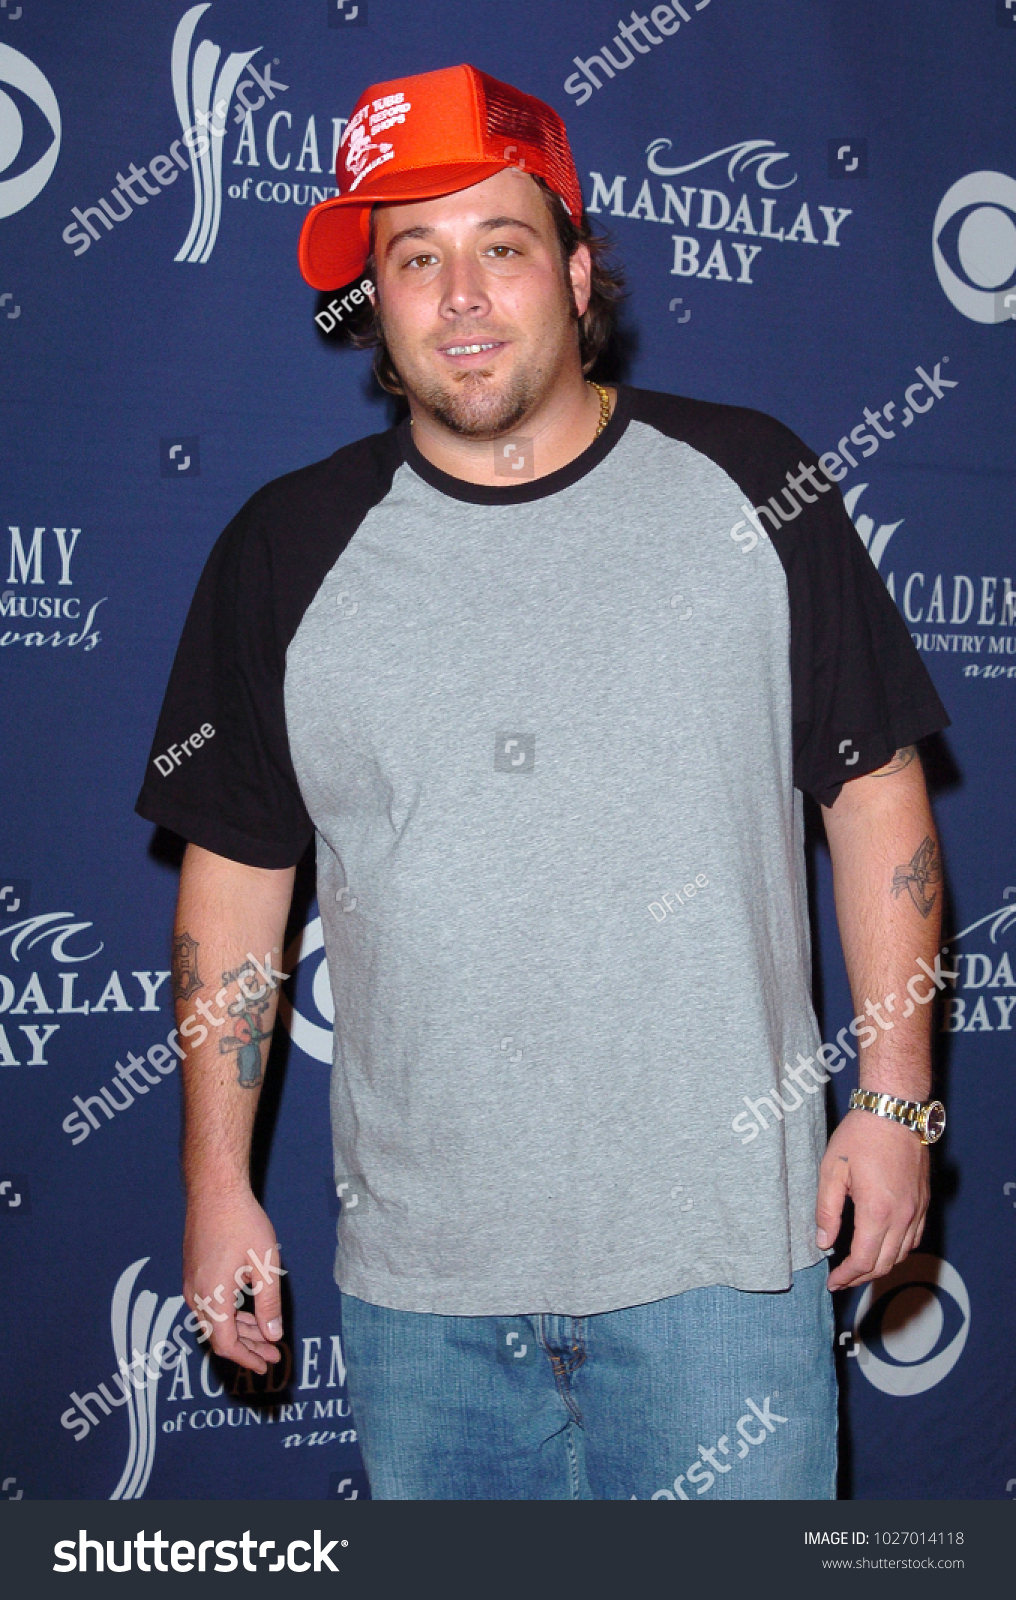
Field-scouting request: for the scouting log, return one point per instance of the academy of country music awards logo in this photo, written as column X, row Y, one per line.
column 156, row 1362
column 969, row 616
column 40, row 591
column 216, row 106
column 909, row 1331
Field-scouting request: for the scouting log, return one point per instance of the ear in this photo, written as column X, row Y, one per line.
column 580, row 271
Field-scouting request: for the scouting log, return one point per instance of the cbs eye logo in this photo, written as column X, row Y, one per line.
column 974, row 246
column 29, row 131
column 912, row 1336
column 310, row 1027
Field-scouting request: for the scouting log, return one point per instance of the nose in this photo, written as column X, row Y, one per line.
column 463, row 291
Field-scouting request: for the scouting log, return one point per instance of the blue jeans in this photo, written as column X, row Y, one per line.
column 716, row 1394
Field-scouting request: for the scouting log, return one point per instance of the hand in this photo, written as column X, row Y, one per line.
column 222, row 1238
column 884, row 1168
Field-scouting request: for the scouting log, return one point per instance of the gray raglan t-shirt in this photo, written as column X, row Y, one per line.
column 551, row 739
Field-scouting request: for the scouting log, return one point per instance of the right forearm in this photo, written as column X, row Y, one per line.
column 228, row 918
column 220, row 1099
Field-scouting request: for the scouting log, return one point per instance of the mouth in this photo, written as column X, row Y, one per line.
column 473, row 353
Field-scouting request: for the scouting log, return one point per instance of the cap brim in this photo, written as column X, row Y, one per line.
column 335, row 237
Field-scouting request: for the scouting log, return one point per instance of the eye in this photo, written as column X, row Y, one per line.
column 509, row 250
column 913, row 1334
column 423, row 259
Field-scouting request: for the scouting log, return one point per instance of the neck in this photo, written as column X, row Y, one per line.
column 557, row 429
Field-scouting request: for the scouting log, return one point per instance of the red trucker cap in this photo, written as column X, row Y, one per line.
column 431, row 134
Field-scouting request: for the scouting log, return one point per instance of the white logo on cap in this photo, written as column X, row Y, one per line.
column 359, row 135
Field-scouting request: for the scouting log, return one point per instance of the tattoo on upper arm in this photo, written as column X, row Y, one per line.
column 184, row 963
column 901, row 759
column 920, row 876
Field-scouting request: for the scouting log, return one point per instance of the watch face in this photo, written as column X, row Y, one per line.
column 934, row 1125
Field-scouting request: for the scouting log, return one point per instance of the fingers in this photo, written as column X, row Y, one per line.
column 239, row 1336
column 232, row 1274
column 832, row 1191
column 912, row 1237
column 268, row 1314
column 233, row 1333
column 871, row 1256
column 250, row 1334
column 880, row 1242
column 885, row 1172
column 227, row 1343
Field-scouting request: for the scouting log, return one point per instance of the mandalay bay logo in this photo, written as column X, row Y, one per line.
column 751, row 205
column 982, row 996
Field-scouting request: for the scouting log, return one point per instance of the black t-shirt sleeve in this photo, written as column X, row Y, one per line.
column 859, row 687
column 232, row 789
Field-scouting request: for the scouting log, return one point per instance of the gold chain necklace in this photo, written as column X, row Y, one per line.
column 604, row 406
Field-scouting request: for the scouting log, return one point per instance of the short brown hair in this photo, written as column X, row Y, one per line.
column 595, row 326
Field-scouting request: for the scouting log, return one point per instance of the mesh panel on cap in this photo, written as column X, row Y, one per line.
column 507, row 116
column 519, row 116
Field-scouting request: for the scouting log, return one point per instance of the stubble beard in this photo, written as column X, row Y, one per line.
column 476, row 406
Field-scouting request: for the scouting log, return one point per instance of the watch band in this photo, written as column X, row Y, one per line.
column 926, row 1118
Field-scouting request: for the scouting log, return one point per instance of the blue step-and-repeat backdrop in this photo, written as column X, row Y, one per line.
column 816, row 204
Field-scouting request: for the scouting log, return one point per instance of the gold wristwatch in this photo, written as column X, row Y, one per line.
column 925, row 1118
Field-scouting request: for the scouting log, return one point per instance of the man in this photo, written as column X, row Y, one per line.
column 546, row 688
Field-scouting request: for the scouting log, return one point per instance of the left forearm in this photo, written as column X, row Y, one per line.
column 888, row 886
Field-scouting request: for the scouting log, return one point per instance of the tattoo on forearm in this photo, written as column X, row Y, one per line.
column 920, row 876
column 184, row 963
column 247, row 1036
column 901, row 759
